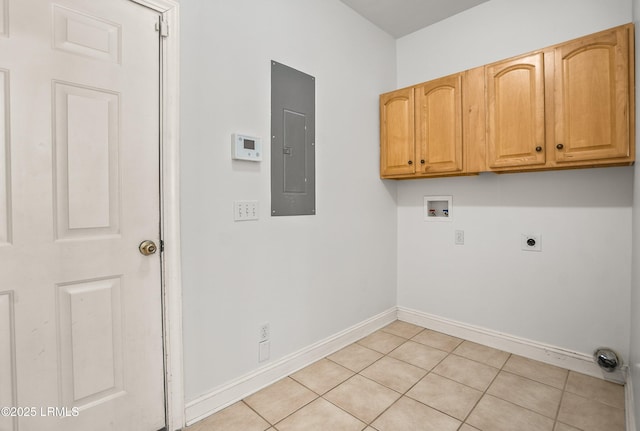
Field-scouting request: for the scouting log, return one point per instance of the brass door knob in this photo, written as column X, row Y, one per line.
column 147, row 247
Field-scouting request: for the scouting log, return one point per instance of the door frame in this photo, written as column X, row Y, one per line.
column 170, row 211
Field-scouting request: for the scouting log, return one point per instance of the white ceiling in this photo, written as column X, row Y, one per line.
column 401, row 17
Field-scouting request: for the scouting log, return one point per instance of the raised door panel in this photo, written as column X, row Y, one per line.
column 4, row 17
column 592, row 106
column 90, row 335
column 5, row 158
column 516, row 112
column 85, row 35
column 439, row 125
column 397, row 143
column 87, row 179
column 7, row 361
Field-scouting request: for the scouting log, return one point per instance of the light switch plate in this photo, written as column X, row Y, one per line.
column 245, row 210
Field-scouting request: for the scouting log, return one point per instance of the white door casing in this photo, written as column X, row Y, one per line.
column 170, row 209
column 80, row 307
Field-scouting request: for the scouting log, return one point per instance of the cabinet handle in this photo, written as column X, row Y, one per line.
column 559, row 146
column 422, row 162
column 411, row 162
column 538, row 149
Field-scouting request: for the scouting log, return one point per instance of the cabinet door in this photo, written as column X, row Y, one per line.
column 397, row 143
column 592, row 98
column 516, row 112
column 439, row 125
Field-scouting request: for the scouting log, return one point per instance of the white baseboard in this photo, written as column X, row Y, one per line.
column 574, row 361
column 243, row 386
column 629, row 410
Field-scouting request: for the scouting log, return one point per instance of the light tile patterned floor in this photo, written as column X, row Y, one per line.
column 407, row 378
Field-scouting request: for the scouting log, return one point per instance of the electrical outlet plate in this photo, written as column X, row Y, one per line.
column 265, row 332
column 264, row 351
column 531, row 242
column 459, row 237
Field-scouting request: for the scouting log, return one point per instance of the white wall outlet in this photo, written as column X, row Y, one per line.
column 459, row 237
column 531, row 242
column 245, row 210
column 265, row 332
column 264, row 350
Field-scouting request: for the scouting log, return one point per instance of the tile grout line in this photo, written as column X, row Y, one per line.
column 375, row 417
column 484, row 393
column 384, row 355
column 273, row 425
column 564, row 391
column 401, row 394
column 593, row 399
column 404, row 394
column 350, row 414
column 501, row 370
column 257, row 413
column 332, row 387
column 533, row 380
column 462, row 422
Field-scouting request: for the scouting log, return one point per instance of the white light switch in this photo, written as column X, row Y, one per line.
column 245, row 210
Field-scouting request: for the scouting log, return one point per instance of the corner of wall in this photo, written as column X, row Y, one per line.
column 633, row 381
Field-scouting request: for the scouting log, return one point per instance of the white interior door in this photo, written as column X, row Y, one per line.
column 80, row 306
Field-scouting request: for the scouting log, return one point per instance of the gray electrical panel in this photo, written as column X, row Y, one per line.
column 293, row 158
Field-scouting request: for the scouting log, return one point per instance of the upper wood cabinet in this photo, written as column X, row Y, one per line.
column 593, row 78
column 567, row 106
column 421, row 130
column 515, row 112
column 397, row 138
column 439, row 125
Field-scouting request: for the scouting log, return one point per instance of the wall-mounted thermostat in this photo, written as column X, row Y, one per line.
column 245, row 147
